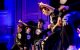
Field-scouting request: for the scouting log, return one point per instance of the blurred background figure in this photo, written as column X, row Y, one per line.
column 29, row 41
column 20, row 37
column 39, row 34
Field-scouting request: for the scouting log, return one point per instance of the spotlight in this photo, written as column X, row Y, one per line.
column 78, row 48
column 79, row 35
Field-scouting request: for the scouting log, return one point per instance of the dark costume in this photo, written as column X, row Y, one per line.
column 29, row 40
column 52, row 41
column 39, row 38
column 68, row 32
column 20, row 38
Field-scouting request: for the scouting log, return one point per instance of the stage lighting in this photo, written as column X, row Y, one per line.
column 78, row 48
column 79, row 35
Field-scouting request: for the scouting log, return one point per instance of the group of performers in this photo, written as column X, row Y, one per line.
column 62, row 28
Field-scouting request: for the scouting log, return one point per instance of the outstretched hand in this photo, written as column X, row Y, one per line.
column 41, row 5
column 22, row 23
column 63, row 8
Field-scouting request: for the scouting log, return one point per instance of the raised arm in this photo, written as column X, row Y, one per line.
column 23, row 23
column 42, row 5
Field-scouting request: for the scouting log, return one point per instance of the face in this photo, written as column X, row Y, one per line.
column 63, row 1
column 28, row 30
column 19, row 29
column 38, row 32
column 45, row 12
column 40, row 24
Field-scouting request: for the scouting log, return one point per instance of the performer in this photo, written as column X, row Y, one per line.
column 55, row 23
column 28, row 39
column 29, row 36
column 39, row 34
column 69, row 7
column 20, row 36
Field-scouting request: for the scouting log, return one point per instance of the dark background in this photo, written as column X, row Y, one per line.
column 1, row 4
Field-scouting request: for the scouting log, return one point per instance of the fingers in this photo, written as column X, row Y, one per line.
column 41, row 4
column 49, row 26
column 19, row 21
column 63, row 8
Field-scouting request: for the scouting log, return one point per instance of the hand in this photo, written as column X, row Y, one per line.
column 25, row 48
column 46, row 38
column 49, row 26
column 63, row 8
column 20, row 21
column 42, row 42
column 59, row 21
column 41, row 3
column 78, row 30
column 46, row 5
